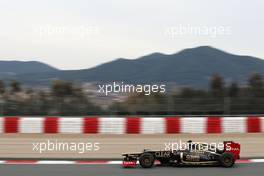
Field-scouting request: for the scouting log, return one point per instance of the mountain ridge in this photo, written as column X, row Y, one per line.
column 188, row 67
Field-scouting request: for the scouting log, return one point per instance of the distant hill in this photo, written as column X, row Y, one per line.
column 189, row 67
column 9, row 69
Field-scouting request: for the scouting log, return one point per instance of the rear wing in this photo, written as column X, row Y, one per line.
column 232, row 147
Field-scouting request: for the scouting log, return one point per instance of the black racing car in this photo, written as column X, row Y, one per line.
column 196, row 154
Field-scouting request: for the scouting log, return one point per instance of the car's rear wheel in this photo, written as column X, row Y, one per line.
column 146, row 160
column 227, row 159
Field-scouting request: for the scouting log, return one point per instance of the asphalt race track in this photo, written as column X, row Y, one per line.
column 247, row 169
column 112, row 146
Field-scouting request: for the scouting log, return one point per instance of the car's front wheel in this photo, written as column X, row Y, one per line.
column 227, row 159
column 146, row 160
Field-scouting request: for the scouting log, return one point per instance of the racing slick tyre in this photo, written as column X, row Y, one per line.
column 146, row 160
column 227, row 160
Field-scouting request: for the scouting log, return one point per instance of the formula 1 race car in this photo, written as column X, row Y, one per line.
column 195, row 154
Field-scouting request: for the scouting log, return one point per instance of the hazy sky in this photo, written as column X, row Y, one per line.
column 77, row 34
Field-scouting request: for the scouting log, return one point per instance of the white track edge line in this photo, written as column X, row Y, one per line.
column 92, row 162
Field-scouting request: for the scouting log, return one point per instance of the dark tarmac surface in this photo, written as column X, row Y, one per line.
column 247, row 169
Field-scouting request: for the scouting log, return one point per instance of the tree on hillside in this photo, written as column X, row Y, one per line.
column 256, row 85
column 217, row 86
column 233, row 90
column 2, row 87
column 15, row 86
column 62, row 88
